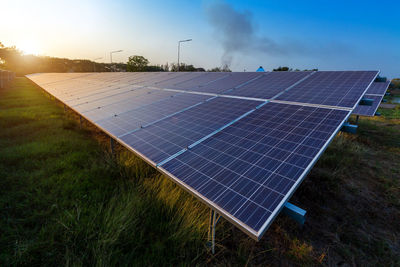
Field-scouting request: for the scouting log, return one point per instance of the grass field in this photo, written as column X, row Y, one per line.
column 65, row 200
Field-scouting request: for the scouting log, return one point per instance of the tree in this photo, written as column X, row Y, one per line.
column 184, row 67
column 224, row 68
column 395, row 84
column 154, row 68
column 282, row 69
column 13, row 59
column 290, row 69
column 137, row 63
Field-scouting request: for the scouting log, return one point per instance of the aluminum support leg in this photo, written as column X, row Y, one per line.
column 214, row 218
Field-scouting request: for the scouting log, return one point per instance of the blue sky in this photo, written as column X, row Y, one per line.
column 328, row 35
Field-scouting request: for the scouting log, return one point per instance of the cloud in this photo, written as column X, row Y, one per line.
column 235, row 30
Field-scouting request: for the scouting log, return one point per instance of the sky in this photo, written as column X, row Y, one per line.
column 328, row 35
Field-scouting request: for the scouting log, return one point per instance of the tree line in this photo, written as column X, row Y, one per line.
column 15, row 60
column 140, row 63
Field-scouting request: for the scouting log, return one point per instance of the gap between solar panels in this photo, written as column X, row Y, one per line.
column 243, row 156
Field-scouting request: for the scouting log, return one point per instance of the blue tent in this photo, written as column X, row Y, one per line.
column 260, row 69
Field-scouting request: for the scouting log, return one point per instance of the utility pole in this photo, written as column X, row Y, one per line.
column 179, row 48
column 117, row 51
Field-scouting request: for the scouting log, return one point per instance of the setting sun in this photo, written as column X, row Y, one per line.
column 30, row 47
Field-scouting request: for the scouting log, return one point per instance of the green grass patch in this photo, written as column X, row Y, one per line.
column 65, row 200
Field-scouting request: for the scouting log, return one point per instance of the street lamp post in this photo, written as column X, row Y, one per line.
column 117, row 51
column 94, row 63
column 179, row 48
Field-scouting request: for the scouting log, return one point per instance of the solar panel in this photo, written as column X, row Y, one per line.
column 75, row 86
column 169, row 136
column 226, row 83
column 242, row 157
column 102, row 93
column 378, row 88
column 269, row 84
column 199, row 81
column 181, row 77
column 363, row 110
column 73, row 95
column 126, row 122
column 376, row 92
column 332, row 88
column 157, row 77
column 121, row 103
column 53, row 78
column 247, row 169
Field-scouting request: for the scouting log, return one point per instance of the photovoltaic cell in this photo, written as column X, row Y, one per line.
column 156, row 77
column 78, row 87
column 270, row 84
column 139, row 116
column 103, row 93
column 364, row 110
column 169, row 136
column 376, row 92
column 92, row 92
column 333, row 88
column 121, row 103
column 226, row 83
column 248, row 168
column 199, row 81
column 378, row 88
column 182, row 77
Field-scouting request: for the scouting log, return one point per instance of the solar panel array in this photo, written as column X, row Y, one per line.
column 331, row 88
column 240, row 142
column 376, row 91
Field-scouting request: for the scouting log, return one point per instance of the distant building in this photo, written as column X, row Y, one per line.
column 260, row 69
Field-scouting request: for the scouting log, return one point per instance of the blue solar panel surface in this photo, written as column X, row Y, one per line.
column 157, row 77
column 133, row 119
column 121, row 103
column 199, row 81
column 378, row 88
column 332, row 88
column 248, row 168
column 167, row 137
column 228, row 82
column 376, row 92
column 269, row 84
column 179, row 78
column 364, row 110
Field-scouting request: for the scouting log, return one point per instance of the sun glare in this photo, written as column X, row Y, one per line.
column 30, row 47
